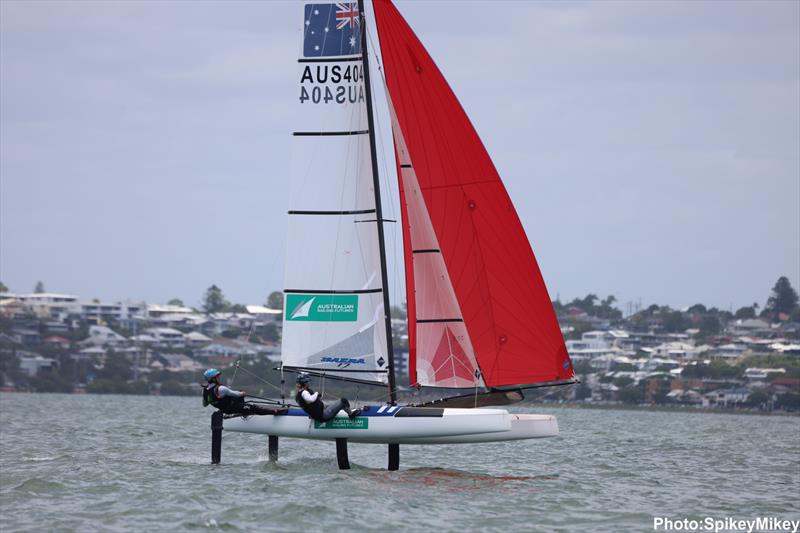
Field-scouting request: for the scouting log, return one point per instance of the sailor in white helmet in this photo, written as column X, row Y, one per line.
column 311, row 402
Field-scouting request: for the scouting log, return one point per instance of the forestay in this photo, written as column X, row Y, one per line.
column 333, row 311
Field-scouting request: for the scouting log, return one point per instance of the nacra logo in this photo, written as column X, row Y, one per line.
column 344, row 361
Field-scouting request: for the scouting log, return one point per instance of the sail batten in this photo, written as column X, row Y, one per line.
column 454, row 202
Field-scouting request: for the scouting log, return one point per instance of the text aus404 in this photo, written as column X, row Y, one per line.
column 338, row 84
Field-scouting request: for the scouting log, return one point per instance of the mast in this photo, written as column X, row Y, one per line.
column 378, row 208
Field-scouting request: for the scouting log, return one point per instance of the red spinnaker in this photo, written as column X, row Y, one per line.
column 503, row 298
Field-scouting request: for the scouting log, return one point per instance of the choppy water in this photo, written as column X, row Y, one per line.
column 108, row 463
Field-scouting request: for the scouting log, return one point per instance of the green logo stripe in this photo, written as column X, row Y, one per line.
column 322, row 307
column 343, row 423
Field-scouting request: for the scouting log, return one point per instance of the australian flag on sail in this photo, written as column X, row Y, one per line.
column 332, row 30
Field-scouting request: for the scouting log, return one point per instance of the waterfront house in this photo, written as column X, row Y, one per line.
column 159, row 310
column 12, row 308
column 178, row 362
column 785, row 348
column 728, row 351
column 690, row 397
column 195, row 339
column 263, row 314
column 167, row 337
column 220, row 322
column 178, row 320
column 32, row 365
column 49, row 305
column 726, row 397
column 749, row 327
column 94, row 353
column 143, row 338
column 761, row 374
column 784, row 384
column 594, row 345
column 221, row 346
column 56, row 341
column 103, row 336
column 98, row 312
column 27, row 337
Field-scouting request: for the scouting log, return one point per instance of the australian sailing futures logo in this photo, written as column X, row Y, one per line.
column 322, row 307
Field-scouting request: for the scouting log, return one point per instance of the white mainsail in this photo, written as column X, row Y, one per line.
column 333, row 307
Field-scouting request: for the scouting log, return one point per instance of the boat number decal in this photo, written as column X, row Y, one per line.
column 331, row 84
column 343, row 423
column 322, row 307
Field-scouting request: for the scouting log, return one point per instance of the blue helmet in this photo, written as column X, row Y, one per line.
column 303, row 379
column 211, row 373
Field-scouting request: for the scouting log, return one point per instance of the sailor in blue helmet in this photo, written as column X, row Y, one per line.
column 225, row 399
column 311, row 402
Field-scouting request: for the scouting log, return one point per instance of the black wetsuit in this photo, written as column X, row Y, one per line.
column 317, row 410
column 232, row 405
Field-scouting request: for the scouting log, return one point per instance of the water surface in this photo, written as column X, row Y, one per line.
column 114, row 463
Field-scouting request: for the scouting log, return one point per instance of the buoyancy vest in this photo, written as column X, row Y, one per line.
column 314, row 409
column 211, row 396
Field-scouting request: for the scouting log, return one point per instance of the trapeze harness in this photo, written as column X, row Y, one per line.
column 224, row 404
column 314, row 409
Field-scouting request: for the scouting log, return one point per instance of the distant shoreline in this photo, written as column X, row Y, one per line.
column 660, row 408
column 546, row 405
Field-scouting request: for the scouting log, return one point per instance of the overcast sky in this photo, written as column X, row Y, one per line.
column 652, row 149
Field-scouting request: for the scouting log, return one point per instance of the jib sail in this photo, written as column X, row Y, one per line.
column 475, row 292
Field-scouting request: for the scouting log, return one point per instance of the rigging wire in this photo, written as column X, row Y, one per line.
column 235, row 370
column 258, row 377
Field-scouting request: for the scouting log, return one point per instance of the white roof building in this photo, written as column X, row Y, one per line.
column 677, row 350
column 729, row 351
column 167, row 337
column 261, row 310
column 195, row 338
column 593, row 345
column 157, row 310
column 179, row 362
column 103, row 336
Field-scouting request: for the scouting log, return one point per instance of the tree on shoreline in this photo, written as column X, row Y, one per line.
column 275, row 300
column 783, row 298
column 214, row 301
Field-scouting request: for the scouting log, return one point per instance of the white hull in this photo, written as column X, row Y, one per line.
column 450, row 426
column 522, row 427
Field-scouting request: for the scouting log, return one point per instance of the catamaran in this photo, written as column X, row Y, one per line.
column 480, row 321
